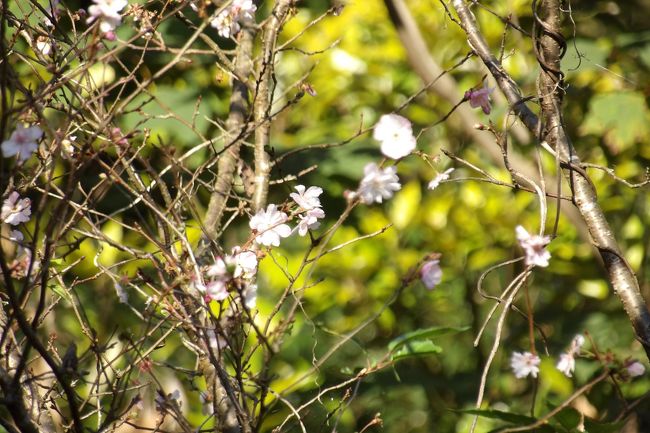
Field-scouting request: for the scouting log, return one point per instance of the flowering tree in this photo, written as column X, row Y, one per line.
column 188, row 243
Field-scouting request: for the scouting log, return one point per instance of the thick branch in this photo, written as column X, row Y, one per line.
column 263, row 103
column 549, row 50
column 235, row 134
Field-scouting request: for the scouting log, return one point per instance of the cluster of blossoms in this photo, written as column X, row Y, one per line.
column 534, row 247
column 527, row 363
column 227, row 21
column 107, row 12
column 22, row 143
column 15, row 211
column 237, row 269
column 567, row 362
column 270, row 225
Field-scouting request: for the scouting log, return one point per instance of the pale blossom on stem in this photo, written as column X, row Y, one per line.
column 635, row 369
column 16, row 236
column 269, row 226
column 227, row 21
column 378, row 184
column 245, row 263
column 107, row 12
column 524, row 364
column 441, row 177
column 22, row 142
column 534, row 247
column 307, row 198
column 431, row 274
column 15, row 210
column 480, row 98
column 566, row 364
column 395, row 134
column 309, row 220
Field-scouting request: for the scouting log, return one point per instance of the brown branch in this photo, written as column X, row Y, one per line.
column 235, row 125
column 264, row 101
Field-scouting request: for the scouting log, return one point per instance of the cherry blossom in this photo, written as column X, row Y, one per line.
column 396, row 136
column 534, row 247
column 245, row 263
column 635, row 369
column 107, row 12
column 480, row 98
column 227, row 21
column 524, row 364
column 22, row 142
column 269, row 226
column 377, row 184
column 15, row 210
column 441, row 177
column 307, row 199
column 431, row 274
column 566, row 364
column 309, row 220
column 216, row 290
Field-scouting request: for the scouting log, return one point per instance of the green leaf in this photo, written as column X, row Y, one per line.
column 424, row 334
column 512, row 418
column 622, row 117
column 416, row 348
column 596, row 427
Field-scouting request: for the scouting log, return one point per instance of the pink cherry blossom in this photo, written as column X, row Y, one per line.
column 15, row 210
column 480, row 98
column 22, row 142
column 534, row 246
column 635, row 369
column 107, row 12
column 431, row 274
column 377, row 184
column 396, row 136
column 524, row 364
column 269, row 226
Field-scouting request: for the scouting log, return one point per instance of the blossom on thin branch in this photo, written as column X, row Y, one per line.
column 22, row 142
column 395, row 134
column 534, row 247
column 269, row 226
column 431, row 274
column 15, row 210
column 107, row 12
column 480, row 98
column 377, row 184
column 567, row 364
column 227, row 22
column 441, row 177
column 524, row 364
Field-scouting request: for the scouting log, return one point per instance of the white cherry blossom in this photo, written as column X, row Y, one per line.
column 107, row 12
column 22, row 142
column 534, row 247
column 307, row 198
column 567, row 364
column 15, row 210
column 524, row 364
column 378, row 184
column 269, row 226
column 395, row 134
column 441, row 177
column 309, row 220
column 245, row 263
